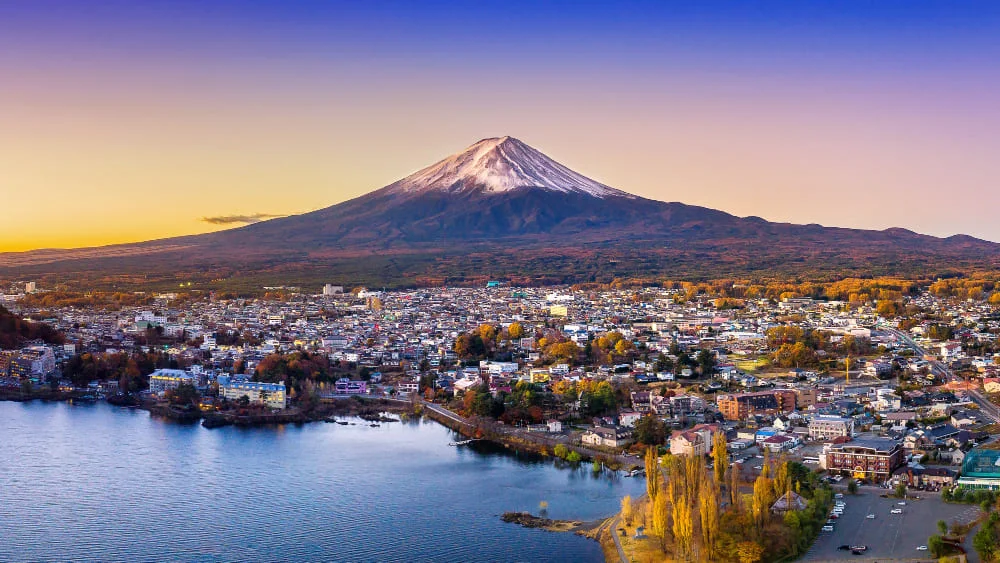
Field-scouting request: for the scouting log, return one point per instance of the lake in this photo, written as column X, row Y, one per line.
column 101, row 483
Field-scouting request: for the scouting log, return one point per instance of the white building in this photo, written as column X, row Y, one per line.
column 163, row 380
column 828, row 427
column 258, row 392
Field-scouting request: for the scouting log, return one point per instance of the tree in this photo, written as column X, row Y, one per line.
column 852, row 487
column 183, row 395
column 706, row 362
column 652, row 472
column 901, row 490
column 749, row 552
column 661, row 516
column 942, row 527
column 936, row 545
column 720, row 459
column 985, row 541
column 734, row 489
column 763, row 498
column 515, row 331
column 651, row 431
column 708, row 504
column 683, row 527
column 627, row 510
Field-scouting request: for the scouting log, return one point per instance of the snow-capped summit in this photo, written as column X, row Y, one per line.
column 500, row 164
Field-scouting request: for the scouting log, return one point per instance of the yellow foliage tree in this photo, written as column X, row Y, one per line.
column 749, row 552
column 627, row 510
column 683, row 527
column 661, row 517
column 709, row 512
column 515, row 331
column 652, row 473
column 719, row 458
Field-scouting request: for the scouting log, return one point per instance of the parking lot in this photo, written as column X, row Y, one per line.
column 892, row 536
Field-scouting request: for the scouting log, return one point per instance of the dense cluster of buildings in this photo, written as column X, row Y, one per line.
column 866, row 425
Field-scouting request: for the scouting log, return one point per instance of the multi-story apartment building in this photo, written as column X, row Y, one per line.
column 744, row 405
column 258, row 392
column 163, row 380
column 828, row 427
column 871, row 459
column 34, row 361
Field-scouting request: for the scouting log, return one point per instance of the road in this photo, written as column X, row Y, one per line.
column 938, row 368
column 548, row 441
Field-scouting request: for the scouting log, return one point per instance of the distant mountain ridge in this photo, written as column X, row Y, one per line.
column 502, row 198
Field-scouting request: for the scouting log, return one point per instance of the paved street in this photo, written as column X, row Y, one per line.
column 890, row 536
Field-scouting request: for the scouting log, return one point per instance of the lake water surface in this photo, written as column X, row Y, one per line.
column 101, row 483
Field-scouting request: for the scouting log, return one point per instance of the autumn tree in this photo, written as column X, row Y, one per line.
column 661, row 517
column 627, row 510
column 749, row 552
column 734, row 489
column 652, row 473
column 708, row 509
column 683, row 527
column 763, row 498
column 719, row 457
column 515, row 331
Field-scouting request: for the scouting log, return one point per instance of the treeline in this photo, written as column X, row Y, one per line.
column 525, row 402
column 15, row 331
column 795, row 347
column 130, row 370
column 87, row 300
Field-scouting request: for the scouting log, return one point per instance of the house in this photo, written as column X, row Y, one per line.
column 607, row 436
column 788, row 502
column 629, row 418
column 963, row 418
column 782, row 423
column 779, row 443
column 554, row 426
column 688, row 443
column 696, row 441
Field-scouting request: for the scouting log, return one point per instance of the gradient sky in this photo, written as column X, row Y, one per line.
column 125, row 121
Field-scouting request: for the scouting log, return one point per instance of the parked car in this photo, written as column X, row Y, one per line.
column 921, row 548
column 896, row 511
column 827, row 528
column 870, row 517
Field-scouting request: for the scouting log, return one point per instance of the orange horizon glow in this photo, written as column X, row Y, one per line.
column 108, row 138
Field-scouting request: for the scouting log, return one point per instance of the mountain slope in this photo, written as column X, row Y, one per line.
column 503, row 199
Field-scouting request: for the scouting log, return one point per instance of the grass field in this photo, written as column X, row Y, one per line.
column 752, row 365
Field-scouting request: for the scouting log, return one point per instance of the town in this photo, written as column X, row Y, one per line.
column 893, row 391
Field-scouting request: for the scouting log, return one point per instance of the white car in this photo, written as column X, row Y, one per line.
column 896, row 511
column 921, row 548
column 870, row 517
column 901, row 503
column 827, row 528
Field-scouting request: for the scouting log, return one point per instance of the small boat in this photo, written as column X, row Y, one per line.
column 342, row 422
column 374, row 425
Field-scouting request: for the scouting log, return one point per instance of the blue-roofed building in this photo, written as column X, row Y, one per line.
column 272, row 395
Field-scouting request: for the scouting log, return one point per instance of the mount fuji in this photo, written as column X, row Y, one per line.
column 501, row 208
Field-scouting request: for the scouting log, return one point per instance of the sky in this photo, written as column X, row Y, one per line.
column 125, row 121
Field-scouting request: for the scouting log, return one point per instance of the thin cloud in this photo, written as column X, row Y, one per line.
column 240, row 219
